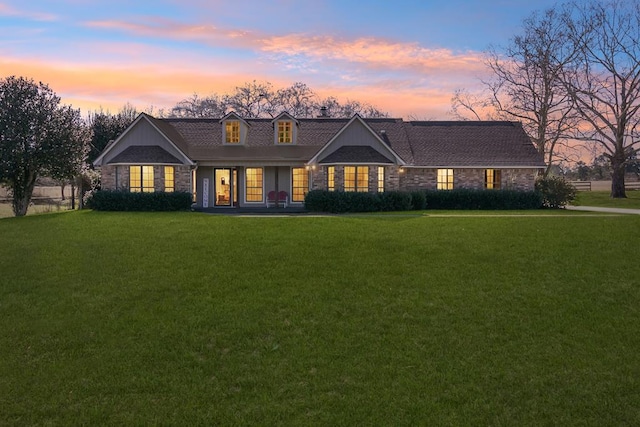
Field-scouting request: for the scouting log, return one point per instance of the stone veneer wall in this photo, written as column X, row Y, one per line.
column 426, row 179
column 109, row 181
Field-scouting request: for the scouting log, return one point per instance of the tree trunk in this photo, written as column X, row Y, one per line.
column 73, row 195
column 617, row 177
column 22, row 195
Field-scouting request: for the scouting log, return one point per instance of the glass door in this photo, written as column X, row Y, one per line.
column 222, row 187
column 225, row 187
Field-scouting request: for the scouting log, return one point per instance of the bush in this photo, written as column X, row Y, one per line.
column 340, row 201
column 468, row 199
column 555, row 191
column 395, row 201
column 418, row 200
column 105, row 200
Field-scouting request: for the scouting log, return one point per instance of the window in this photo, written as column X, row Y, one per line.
column 356, row 178
column 492, row 179
column 331, row 178
column 300, row 184
column 169, row 179
column 284, row 132
column 141, row 179
column 380, row 179
column 445, row 179
column 232, row 132
column 253, row 184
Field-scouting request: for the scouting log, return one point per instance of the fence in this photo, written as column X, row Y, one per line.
column 603, row 185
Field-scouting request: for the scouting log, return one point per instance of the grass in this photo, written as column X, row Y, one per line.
column 40, row 207
column 603, row 199
column 193, row 319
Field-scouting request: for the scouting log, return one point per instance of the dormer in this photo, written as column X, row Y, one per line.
column 234, row 129
column 285, row 128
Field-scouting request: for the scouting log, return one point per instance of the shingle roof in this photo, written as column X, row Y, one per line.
column 356, row 154
column 471, row 144
column 145, row 154
column 418, row 143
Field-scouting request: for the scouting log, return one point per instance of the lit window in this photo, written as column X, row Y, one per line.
column 284, row 132
column 300, row 184
column 445, row 179
column 380, row 179
column 232, row 132
column 331, row 178
column 253, row 185
column 141, row 179
column 356, row 178
column 169, row 179
column 492, row 179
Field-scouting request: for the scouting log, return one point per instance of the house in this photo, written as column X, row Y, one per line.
column 242, row 162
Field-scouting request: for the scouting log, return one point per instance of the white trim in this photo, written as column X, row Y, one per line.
column 145, row 164
column 358, row 164
column 470, row 167
column 314, row 159
column 289, row 117
column 98, row 161
column 236, row 117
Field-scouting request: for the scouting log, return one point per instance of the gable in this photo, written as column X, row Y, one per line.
column 356, row 138
column 148, row 154
column 149, row 142
column 356, row 154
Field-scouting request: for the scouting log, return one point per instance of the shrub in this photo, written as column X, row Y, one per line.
column 340, row 201
column 395, row 201
column 469, row 199
column 105, row 200
column 555, row 191
column 418, row 200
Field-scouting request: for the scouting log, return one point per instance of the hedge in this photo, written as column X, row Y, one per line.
column 468, row 199
column 347, row 201
column 105, row 200
column 341, row 202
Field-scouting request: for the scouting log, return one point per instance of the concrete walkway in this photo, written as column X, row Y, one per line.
column 605, row 210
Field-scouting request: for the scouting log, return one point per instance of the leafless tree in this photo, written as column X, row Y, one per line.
column 604, row 79
column 526, row 85
column 195, row 106
column 259, row 99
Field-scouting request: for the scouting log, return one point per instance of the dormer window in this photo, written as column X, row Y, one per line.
column 232, row 132
column 285, row 134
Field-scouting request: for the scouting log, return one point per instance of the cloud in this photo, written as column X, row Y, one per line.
column 306, row 52
column 7, row 10
column 169, row 61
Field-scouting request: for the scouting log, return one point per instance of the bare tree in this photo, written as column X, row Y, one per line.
column 526, row 84
column 254, row 99
column 298, row 100
column 258, row 99
column 604, row 80
column 467, row 105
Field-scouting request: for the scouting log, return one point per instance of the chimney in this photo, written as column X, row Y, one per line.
column 323, row 112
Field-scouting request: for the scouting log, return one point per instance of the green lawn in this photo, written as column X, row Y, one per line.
column 194, row 319
column 603, row 199
column 35, row 209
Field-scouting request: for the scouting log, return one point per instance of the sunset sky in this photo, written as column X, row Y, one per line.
column 406, row 57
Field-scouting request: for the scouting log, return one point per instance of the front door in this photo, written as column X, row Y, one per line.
column 225, row 182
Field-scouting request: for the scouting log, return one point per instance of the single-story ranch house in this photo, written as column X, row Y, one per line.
column 242, row 162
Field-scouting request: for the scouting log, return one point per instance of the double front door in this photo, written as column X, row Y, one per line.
column 225, row 187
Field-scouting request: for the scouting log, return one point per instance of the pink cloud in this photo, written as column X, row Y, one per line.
column 7, row 10
column 298, row 50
